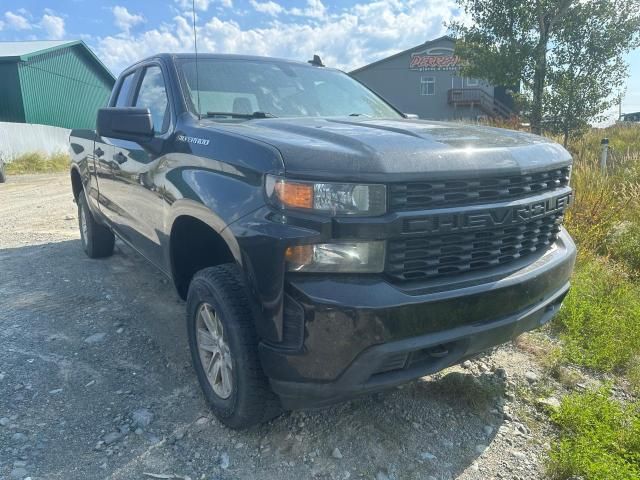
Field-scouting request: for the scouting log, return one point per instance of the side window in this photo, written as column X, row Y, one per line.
column 153, row 95
column 125, row 89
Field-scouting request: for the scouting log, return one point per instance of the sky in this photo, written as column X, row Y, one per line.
column 347, row 34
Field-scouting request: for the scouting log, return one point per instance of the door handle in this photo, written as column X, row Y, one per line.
column 120, row 158
column 99, row 152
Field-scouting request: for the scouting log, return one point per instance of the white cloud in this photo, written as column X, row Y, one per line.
column 122, row 50
column 346, row 38
column 270, row 7
column 201, row 5
column 315, row 9
column 17, row 21
column 124, row 20
column 53, row 25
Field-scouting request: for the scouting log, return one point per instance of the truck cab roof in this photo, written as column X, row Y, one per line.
column 171, row 57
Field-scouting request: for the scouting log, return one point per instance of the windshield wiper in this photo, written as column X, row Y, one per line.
column 241, row 115
column 359, row 115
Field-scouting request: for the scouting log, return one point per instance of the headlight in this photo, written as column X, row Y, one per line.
column 333, row 198
column 344, row 257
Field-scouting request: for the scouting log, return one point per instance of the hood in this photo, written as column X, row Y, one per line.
column 358, row 149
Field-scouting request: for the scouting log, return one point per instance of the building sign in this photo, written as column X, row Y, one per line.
column 438, row 58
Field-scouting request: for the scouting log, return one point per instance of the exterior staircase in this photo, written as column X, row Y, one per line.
column 477, row 97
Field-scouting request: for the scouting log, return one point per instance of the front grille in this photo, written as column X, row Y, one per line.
column 420, row 258
column 449, row 193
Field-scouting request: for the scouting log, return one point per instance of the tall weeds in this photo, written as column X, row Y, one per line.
column 38, row 162
column 602, row 202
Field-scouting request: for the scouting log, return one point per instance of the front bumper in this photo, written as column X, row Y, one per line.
column 361, row 334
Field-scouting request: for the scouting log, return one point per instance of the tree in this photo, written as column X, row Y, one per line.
column 560, row 51
column 580, row 91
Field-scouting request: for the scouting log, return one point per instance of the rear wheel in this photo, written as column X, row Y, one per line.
column 97, row 240
column 224, row 348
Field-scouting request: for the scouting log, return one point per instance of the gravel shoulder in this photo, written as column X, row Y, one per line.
column 96, row 382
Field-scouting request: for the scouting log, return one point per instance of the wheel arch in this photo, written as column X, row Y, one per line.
column 198, row 241
column 76, row 182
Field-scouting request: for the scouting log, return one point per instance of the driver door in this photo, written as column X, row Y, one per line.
column 134, row 192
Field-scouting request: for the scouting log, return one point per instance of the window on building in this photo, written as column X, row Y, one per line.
column 472, row 82
column 427, row 85
column 152, row 95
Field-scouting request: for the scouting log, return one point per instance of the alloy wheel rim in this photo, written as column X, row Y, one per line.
column 214, row 351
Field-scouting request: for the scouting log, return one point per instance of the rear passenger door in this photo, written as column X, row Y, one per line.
column 136, row 192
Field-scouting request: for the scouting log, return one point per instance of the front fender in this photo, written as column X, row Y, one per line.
column 199, row 211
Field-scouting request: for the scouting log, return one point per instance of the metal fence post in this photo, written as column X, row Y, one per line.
column 604, row 143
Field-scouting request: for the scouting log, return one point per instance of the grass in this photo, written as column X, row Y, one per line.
column 599, row 323
column 602, row 202
column 599, row 438
column 633, row 376
column 37, row 162
column 623, row 244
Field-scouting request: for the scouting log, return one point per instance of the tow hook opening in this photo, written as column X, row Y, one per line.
column 423, row 357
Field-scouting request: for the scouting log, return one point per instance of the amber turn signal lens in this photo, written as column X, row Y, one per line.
column 295, row 195
column 299, row 255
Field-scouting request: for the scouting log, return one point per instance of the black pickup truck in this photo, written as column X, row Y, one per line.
column 326, row 244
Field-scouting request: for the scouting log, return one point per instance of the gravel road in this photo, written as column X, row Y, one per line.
column 96, row 382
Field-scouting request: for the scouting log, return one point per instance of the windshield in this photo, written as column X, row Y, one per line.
column 279, row 89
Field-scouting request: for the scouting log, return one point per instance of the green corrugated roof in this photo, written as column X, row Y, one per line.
column 13, row 51
column 23, row 51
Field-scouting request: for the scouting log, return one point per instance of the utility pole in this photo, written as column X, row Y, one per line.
column 620, row 106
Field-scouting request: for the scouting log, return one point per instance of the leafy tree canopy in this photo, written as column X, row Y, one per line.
column 565, row 56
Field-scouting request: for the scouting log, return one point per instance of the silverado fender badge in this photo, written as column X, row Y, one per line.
column 196, row 140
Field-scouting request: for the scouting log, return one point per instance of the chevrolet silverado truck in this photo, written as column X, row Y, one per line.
column 326, row 244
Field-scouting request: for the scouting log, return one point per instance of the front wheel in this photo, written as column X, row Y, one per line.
column 3, row 176
column 224, row 348
column 97, row 240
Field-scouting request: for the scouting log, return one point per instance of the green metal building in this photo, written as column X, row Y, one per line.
column 57, row 83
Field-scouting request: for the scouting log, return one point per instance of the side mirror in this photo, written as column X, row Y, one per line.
column 125, row 123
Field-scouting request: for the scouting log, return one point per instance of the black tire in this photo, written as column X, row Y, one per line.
column 97, row 240
column 251, row 400
column 3, row 176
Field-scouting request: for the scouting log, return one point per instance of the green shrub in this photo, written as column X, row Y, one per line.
column 624, row 140
column 599, row 438
column 634, row 375
column 597, row 207
column 602, row 202
column 623, row 245
column 599, row 322
column 38, row 162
